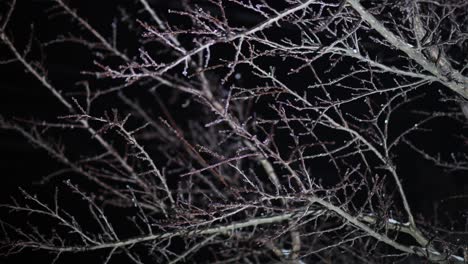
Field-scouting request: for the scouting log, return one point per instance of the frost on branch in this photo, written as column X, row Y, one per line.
column 243, row 131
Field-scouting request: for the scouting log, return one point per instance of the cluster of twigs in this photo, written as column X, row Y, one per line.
column 312, row 85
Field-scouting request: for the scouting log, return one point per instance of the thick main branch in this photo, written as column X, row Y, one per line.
column 445, row 73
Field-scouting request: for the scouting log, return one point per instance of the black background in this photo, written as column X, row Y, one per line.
column 22, row 96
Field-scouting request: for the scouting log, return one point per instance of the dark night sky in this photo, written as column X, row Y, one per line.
column 22, row 96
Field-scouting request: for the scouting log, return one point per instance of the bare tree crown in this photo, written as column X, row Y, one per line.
column 244, row 131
